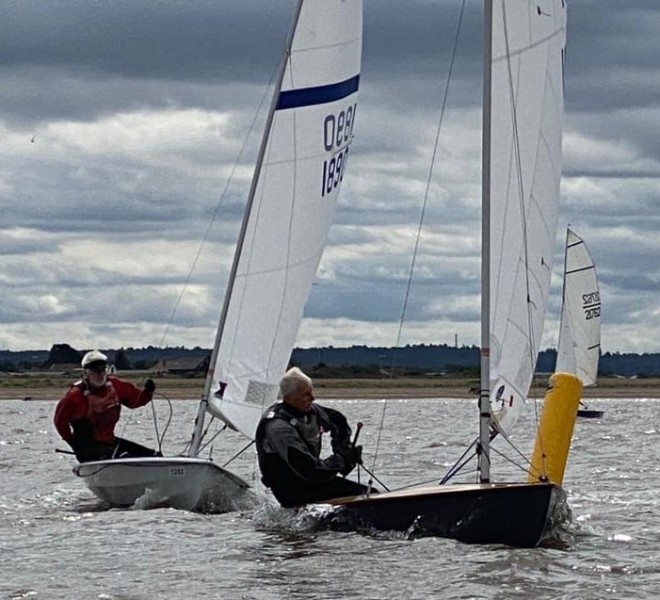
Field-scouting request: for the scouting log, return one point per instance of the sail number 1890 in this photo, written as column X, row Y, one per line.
column 337, row 135
column 333, row 171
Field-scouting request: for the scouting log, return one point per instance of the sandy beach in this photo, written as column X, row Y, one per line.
column 52, row 387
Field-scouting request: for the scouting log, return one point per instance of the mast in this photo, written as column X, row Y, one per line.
column 199, row 420
column 563, row 285
column 483, row 452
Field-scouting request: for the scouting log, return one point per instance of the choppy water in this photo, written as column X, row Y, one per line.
column 56, row 541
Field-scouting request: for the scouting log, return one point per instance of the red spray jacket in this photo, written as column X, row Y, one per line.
column 101, row 408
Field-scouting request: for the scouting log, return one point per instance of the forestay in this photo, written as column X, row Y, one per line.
column 578, row 349
column 525, row 166
column 304, row 163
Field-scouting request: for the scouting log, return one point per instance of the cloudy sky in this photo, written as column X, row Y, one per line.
column 122, row 122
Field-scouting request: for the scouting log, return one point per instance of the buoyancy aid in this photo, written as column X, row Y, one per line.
column 101, row 415
column 308, row 428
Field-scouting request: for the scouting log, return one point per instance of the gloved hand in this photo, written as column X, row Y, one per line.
column 351, row 455
column 149, row 386
column 357, row 454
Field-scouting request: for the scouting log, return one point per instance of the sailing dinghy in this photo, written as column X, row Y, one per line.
column 301, row 163
column 578, row 347
column 522, row 124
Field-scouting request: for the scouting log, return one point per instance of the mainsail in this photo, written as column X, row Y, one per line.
column 526, row 113
column 578, row 349
column 295, row 194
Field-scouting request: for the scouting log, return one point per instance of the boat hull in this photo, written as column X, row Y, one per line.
column 178, row 482
column 587, row 413
column 514, row 514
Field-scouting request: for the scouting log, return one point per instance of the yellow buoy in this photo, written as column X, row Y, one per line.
column 553, row 438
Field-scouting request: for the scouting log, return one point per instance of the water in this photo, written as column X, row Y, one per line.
column 57, row 541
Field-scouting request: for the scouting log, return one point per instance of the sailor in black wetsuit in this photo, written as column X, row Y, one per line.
column 289, row 446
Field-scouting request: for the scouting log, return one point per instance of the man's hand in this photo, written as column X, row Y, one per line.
column 351, row 455
column 357, row 454
column 149, row 386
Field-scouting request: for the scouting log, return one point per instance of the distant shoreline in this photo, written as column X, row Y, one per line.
column 23, row 387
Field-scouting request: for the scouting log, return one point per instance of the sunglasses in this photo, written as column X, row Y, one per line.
column 97, row 368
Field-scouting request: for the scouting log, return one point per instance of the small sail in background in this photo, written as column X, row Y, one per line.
column 578, row 349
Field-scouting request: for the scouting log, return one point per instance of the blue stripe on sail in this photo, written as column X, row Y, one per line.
column 321, row 94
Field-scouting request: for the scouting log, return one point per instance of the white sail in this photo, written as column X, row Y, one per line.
column 528, row 40
column 578, row 349
column 293, row 206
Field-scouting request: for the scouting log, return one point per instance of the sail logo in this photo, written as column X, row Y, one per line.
column 337, row 136
column 591, row 305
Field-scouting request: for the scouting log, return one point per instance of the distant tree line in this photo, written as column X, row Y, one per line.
column 345, row 361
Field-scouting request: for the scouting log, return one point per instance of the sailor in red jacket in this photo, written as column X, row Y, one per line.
column 86, row 416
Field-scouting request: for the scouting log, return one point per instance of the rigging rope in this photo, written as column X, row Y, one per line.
column 504, row 436
column 430, row 177
column 420, row 225
column 159, row 437
column 380, row 431
column 167, row 423
column 215, row 435
column 211, row 222
column 219, row 204
column 239, row 453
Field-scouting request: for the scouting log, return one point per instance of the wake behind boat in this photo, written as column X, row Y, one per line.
column 291, row 203
column 521, row 158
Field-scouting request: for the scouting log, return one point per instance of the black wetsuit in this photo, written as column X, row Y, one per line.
column 289, row 446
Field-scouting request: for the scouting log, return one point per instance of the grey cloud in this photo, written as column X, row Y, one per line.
column 608, row 42
column 203, row 40
column 80, row 62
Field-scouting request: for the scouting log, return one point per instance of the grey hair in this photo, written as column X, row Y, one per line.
column 293, row 380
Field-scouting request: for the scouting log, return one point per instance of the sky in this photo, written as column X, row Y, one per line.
column 128, row 132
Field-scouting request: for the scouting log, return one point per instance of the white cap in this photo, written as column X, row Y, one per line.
column 93, row 356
